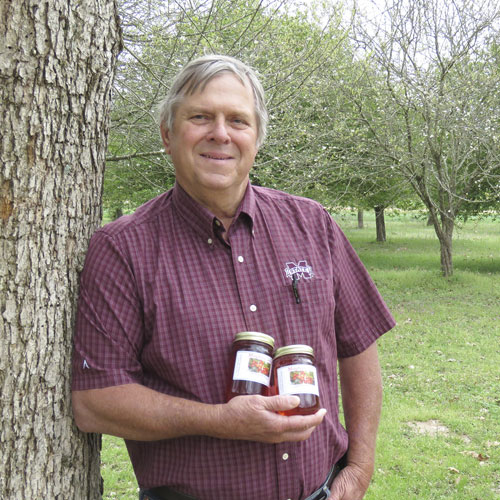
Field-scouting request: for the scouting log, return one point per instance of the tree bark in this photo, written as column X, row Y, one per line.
column 445, row 236
column 380, row 223
column 360, row 219
column 118, row 213
column 56, row 70
column 444, row 226
column 446, row 256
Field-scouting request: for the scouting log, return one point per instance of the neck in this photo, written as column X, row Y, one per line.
column 223, row 204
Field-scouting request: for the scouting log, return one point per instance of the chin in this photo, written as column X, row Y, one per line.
column 218, row 182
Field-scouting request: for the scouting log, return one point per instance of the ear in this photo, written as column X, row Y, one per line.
column 165, row 137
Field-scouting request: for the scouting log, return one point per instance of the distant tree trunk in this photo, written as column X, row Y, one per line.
column 380, row 223
column 445, row 236
column 429, row 220
column 56, row 69
column 444, row 227
column 446, row 256
column 360, row 219
column 118, row 213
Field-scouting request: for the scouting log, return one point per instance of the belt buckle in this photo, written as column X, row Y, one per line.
column 324, row 491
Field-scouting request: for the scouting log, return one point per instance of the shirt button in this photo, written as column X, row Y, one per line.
column 241, row 259
column 253, row 308
column 285, row 456
column 210, row 241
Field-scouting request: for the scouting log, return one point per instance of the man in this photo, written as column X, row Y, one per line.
column 165, row 290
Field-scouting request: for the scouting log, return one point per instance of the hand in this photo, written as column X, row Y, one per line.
column 350, row 484
column 254, row 418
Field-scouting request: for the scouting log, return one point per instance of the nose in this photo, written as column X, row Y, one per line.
column 219, row 132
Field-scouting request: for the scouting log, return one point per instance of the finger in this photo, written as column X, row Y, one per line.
column 337, row 488
column 313, row 419
column 305, row 422
column 347, row 485
column 297, row 434
column 297, row 428
column 321, row 413
column 281, row 403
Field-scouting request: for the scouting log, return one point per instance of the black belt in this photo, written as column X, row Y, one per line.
column 166, row 493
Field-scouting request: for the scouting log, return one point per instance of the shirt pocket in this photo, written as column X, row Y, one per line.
column 308, row 309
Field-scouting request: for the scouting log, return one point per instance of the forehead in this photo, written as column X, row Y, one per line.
column 225, row 90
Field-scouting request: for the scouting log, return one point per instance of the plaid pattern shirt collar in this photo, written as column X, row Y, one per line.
column 202, row 221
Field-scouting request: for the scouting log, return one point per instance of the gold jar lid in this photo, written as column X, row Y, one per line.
column 294, row 349
column 256, row 336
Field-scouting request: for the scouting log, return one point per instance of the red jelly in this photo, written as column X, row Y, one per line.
column 294, row 373
column 250, row 364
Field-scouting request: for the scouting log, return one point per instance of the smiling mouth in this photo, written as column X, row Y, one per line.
column 215, row 156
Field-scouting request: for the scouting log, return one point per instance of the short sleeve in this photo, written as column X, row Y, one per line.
column 361, row 315
column 109, row 325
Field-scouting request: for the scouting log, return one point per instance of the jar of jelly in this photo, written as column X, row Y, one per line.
column 250, row 364
column 294, row 373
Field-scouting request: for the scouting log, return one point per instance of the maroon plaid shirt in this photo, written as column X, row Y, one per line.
column 162, row 296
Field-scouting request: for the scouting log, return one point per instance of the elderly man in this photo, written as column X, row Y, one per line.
column 165, row 290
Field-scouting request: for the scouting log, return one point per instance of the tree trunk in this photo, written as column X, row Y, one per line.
column 360, row 219
column 118, row 213
column 446, row 257
column 56, row 70
column 444, row 227
column 445, row 241
column 380, row 223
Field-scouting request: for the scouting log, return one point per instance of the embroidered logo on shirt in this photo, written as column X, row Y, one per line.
column 86, row 365
column 302, row 270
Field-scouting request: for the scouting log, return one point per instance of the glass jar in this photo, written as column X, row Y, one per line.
column 294, row 373
column 250, row 364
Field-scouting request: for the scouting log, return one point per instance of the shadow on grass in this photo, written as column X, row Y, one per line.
column 407, row 254
column 486, row 265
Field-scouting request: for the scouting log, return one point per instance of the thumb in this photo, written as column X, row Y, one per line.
column 338, row 487
column 281, row 403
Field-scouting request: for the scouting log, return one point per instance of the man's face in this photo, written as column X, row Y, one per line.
column 213, row 139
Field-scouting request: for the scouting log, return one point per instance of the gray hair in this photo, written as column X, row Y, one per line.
column 197, row 73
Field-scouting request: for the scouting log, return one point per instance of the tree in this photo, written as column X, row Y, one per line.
column 434, row 75
column 287, row 45
column 56, row 71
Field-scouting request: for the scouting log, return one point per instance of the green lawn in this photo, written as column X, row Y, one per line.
column 117, row 472
column 440, row 432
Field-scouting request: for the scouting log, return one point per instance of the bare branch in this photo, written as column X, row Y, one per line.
column 135, row 155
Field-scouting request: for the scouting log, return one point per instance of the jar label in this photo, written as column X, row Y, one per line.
column 298, row 379
column 252, row 366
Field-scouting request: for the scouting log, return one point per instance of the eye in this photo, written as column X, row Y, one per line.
column 239, row 122
column 199, row 117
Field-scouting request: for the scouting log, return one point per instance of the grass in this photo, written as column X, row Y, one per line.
column 439, row 436
column 116, row 470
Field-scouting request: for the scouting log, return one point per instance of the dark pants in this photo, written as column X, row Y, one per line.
column 165, row 493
